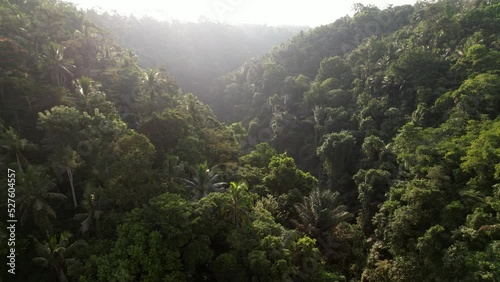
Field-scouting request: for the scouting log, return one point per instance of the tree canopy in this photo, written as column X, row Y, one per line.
column 363, row 150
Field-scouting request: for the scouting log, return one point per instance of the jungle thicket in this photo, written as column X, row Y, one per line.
column 364, row 150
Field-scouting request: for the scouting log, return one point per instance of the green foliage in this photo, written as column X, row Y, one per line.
column 372, row 147
column 56, row 254
column 260, row 157
column 142, row 233
column 203, row 182
column 483, row 156
column 165, row 130
column 35, row 196
column 394, row 112
column 372, row 188
column 478, row 59
column 14, row 145
column 227, row 268
column 337, row 151
column 239, row 132
column 237, row 208
column 336, row 68
column 319, row 214
column 285, row 176
column 478, row 95
column 129, row 170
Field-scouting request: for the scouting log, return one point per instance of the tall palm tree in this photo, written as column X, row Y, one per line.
column 89, row 42
column 66, row 160
column 319, row 213
column 92, row 204
column 204, row 181
column 88, row 90
column 35, row 197
column 194, row 107
column 85, row 84
column 56, row 254
column 56, row 67
column 152, row 83
column 106, row 57
column 172, row 167
column 10, row 140
column 238, row 206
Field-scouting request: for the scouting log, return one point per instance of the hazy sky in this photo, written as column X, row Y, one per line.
column 271, row 12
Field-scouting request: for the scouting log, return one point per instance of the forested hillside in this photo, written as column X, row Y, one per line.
column 365, row 150
column 196, row 54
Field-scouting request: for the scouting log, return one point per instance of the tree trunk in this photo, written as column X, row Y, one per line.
column 19, row 163
column 70, row 176
column 61, row 277
column 106, row 168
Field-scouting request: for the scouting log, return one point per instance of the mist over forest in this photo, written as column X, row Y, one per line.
column 367, row 149
column 195, row 54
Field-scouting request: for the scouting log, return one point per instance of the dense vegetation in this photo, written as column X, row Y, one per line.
column 365, row 150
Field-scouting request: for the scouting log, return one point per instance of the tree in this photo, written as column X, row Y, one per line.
column 318, row 214
column 151, row 83
column 35, row 196
column 75, row 138
column 203, row 181
column 91, row 202
column 260, row 157
column 373, row 184
column 90, row 98
column 372, row 147
column 284, row 176
column 63, row 135
column 479, row 95
column 149, row 243
column 237, row 206
column 337, row 152
column 239, row 132
column 63, row 126
column 482, row 158
column 131, row 182
column 336, row 68
column 55, row 66
column 165, row 130
column 172, row 167
column 10, row 140
column 67, row 160
column 193, row 107
column 56, row 254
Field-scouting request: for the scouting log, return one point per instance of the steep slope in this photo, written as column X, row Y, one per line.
column 390, row 108
column 383, row 161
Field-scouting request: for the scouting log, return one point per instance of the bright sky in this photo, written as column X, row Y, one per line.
column 270, row 12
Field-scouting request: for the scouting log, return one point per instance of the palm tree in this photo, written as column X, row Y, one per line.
column 152, row 83
column 238, row 206
column 88, row 90
column 56, row 66
column 56, row 255
column 10, row 140
column 66, row 161
column 89, row 42
column 319, row 214
column 194, row 107
column 92, row 204
column 106, row 57
column 172, row 167
column 35, row 195
column 85, row 84
column 203, row 181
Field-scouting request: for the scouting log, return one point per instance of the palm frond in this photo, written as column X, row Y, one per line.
column 41, row 261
